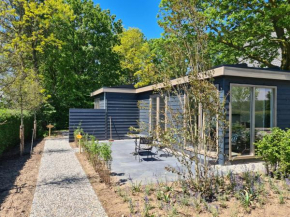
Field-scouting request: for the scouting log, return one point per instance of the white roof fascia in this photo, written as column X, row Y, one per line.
column 112, row 90
column 221, row 71
column 257, row 73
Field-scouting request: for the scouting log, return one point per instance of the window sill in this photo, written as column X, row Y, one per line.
column 244, row 157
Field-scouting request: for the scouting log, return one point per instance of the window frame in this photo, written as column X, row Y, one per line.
column 253, row 87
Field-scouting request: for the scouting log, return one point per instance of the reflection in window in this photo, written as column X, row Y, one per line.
column 263, row 111
column 241, row 120
column 252, row 107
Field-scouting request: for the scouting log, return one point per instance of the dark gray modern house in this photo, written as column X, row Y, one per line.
column 257, row 100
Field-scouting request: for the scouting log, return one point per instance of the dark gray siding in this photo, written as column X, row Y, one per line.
column 283, row 99
column 92, row 121
column 175, row 108
column 123, row 110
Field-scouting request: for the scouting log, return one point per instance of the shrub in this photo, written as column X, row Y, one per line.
column 274, row 149
column 9, row 131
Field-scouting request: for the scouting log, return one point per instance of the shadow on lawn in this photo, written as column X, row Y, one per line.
column 11, row 165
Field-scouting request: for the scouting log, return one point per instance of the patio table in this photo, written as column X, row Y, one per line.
column 136, row 137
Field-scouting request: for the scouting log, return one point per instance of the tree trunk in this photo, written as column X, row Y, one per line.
column 21, row 139
column 21, row 124
column 34, row 126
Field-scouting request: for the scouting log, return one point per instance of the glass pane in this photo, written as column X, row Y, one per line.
column 241, row 120
column 263, row 111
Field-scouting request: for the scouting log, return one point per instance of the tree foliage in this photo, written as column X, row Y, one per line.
column 136, row 58
column 251, row 31
column 24, row 34
column 84, row 63
column 190, row 108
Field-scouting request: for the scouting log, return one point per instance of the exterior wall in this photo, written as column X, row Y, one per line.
column 283, row 99
column 92, row 121
column 123, row 110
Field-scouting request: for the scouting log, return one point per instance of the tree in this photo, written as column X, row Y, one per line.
column 190, row 108
column 24, row 35
column 84, row 63
column 136, row 58
column 248, row 30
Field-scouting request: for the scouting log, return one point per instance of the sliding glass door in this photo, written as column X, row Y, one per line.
column 264, row 111
column 241, row 98
column 251, row 117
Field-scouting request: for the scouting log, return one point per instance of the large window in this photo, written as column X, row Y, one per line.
column 252, row 116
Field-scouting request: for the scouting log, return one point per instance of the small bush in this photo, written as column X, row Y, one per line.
column 274, row 149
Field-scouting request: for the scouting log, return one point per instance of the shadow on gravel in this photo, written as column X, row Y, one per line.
column 66, row 182
column 57, row 151
column 10, row 166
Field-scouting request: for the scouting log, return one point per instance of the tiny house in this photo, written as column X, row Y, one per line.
column 256, row 101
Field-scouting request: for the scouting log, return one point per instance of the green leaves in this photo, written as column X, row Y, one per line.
column 136, row 58
column 254, row 31
column 86, row 60
column 274, row 149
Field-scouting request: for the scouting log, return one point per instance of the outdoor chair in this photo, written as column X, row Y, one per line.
column 145, row 146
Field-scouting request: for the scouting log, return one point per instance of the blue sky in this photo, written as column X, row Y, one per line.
column 135, row 13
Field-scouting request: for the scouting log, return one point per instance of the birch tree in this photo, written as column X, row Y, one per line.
column 24, row 34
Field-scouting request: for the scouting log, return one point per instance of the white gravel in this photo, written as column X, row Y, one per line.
column 63, row 188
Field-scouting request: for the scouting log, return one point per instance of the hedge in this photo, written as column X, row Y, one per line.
column 9, row 131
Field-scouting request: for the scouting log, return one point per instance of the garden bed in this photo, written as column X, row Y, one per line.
column 271, row 196
column 18, row 178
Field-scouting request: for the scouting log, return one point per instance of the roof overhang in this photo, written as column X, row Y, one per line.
column 221, row 71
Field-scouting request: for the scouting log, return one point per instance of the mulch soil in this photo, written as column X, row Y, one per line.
column 18, row 178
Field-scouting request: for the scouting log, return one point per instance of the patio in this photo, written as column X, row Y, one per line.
column 126, row 165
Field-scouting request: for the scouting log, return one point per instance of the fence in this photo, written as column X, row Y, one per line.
column 92, row 121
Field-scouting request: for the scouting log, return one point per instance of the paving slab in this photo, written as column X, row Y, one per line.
column 63, row 188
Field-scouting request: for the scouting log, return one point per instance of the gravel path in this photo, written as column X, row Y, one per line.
column 63, row 188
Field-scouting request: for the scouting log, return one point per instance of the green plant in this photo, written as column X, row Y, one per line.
column 214, row 210
column 184, row 200
column 197, row 201
column 246, row 198
column 78, row 131
column 147, row 207
column 106, row 151
column 222, row 199
column 281, row 198
column 9, row 128
column 120, row 192
column 174, row 211
column 274, row 149
column 159, row 195
column 166, row 197
column 147, row 189
column 131, row 206
column 136, row 186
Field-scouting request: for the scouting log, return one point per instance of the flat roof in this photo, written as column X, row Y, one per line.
column 226, row 70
